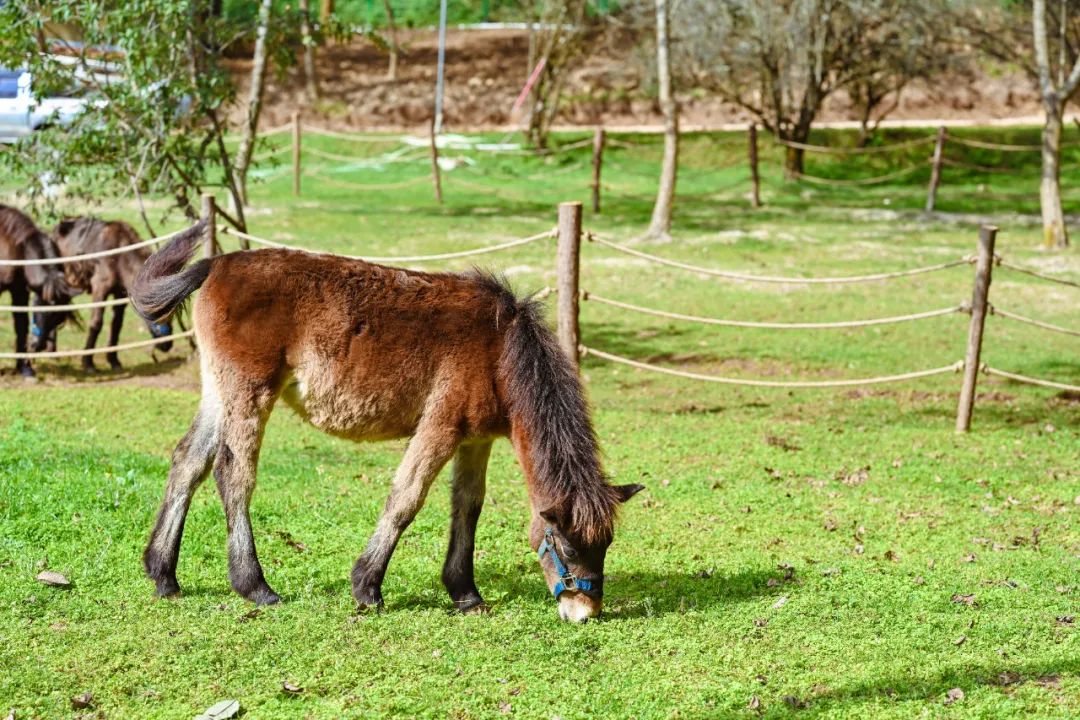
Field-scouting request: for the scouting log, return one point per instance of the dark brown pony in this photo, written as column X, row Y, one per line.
column 369, row 352
column 20, row 239
column 105, row 277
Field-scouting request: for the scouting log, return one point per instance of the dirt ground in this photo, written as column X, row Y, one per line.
column 486, row 70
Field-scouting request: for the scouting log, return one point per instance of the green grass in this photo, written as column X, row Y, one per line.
column 743, row 483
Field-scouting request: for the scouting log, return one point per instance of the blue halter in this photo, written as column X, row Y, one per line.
column 160, row 330
column 35, row 330
column 567, row 580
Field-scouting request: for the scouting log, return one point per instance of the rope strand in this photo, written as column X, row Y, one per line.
column 1037, row 323
column 585, row 295
column 1022, row 269
column 401, row 258
column 94, row 351
column 776, row 279
column 1029, row 380
column 93, row 255
column 928, row 140
column 955, row 367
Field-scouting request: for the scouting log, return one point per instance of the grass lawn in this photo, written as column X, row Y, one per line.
column 811, row 553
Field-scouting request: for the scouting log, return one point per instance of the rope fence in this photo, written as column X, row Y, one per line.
column 399, row 258
column 870, row 150
column 954, row 368
column 1029, row 321
column 1041, row 276
column 1030, row 380
column 590, row 296
column 857, row 182
column 787, row 280
column 64, row 260
column 93, row 351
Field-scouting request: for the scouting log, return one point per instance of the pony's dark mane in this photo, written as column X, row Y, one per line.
column 545, row 396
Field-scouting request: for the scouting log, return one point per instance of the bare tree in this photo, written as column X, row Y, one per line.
column 781, row 59
column 660, row 226
column 326, row 11
column 1055, row 94
column 561, row 37
column 311, row 81
column 254, row 107
column 391, row 31
column 1045, row 42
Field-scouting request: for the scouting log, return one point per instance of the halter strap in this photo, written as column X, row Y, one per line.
column 161, row 330
column 567, row 580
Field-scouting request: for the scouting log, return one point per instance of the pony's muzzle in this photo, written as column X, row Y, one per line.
column 578, row 607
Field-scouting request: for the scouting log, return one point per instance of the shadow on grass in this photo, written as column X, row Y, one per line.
column 912, row 686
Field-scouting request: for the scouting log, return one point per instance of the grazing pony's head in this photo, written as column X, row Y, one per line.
column 573, row 504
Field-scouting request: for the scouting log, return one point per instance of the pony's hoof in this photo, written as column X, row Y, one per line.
column 478, row 608
column 266, row 597
column 368, row 599
column 167, row 588
column 116, row 367
column 89, row 368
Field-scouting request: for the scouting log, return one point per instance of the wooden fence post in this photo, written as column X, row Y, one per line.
column 755, row 179
column 436, row 177
column 567, row 264
column 296, row 153
column 935, row 169
column 209, row 214
column 597, row 162
column 984, row 265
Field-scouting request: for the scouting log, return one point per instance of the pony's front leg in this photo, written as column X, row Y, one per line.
column 20, row 296
column 466, row 499
column 234, row 471
column 114, row 335
column 93, row 329
column 429, row 449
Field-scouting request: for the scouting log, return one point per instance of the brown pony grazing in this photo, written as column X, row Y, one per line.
column 102, row 277
column 20, row 239
column 369, row 352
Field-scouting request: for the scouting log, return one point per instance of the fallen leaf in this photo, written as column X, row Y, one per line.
column 761, row 622
column 54, row 579
column 830, row 524
column 704, row 574
column 919, row 580
column 857, row 477
column 829, row 572
column 960, row 640
column 761, row 679
column 290, row 688
column 891, row 555
column 746, row 509
column 968, row 600
column 81, row 702
column 954, row 695
column 897, row 463
column 969, row 558
column 859, row 549
column 795, row 702
column 782, row 443
column 1050, row 681
column 514, row 692
column 288, row 539
column 1008, row 677
column 780, row 602
column 221, row 711
column 505, row 708
column 755, row 702
column 1065, row 619
column 774, row 474
column 249, row 615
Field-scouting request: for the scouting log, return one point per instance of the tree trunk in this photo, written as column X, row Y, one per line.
column 665, row 196
column 326, row 9
column 311, row 81
column 255, row 98
column 793, row 161
column 1055, row 234
column 391, row 29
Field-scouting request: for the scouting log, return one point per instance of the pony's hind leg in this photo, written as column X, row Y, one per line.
column 234, row 471
column 429, row 449
column 467, row 499
column 190, row 465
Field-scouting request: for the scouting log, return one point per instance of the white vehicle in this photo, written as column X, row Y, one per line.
column 21, row 113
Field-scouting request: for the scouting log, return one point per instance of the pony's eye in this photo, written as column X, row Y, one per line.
column 568, row 551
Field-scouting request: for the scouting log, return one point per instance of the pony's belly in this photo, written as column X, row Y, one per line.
column 357, row 413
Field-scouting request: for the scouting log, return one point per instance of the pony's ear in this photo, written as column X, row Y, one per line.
column 626, row 492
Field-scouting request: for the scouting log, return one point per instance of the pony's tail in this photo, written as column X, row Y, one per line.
column 547, row 403
column 163, row 284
